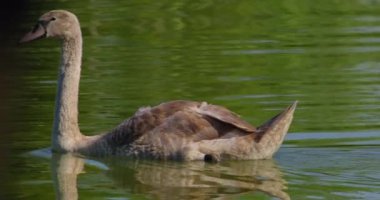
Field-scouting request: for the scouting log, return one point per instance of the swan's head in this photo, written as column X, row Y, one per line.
column 57, row 24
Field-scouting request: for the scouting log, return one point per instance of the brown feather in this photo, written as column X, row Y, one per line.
column 174, row 124
column 198, row 120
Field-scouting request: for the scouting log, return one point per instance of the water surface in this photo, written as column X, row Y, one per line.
column 253, row 57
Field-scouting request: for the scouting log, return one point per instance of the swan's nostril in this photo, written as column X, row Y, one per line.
column 210, row 158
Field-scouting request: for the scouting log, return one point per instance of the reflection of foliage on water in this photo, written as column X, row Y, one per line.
column 248, row 56
column 251, row 56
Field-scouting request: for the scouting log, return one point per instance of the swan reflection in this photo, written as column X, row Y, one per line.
column 174, row 180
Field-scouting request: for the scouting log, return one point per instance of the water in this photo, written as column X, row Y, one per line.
column 253, row 57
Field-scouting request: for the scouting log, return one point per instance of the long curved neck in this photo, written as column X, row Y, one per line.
column 66, row 131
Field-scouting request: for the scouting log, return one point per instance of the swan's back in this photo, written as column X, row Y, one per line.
column 192, row 118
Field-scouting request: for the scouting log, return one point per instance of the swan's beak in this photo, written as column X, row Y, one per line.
column 37, row 32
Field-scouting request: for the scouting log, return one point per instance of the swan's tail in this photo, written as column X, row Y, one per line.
column 271, row 134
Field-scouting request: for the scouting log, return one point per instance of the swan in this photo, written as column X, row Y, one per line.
column 175, row 130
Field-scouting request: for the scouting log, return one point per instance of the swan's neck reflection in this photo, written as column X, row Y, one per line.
column 65, row 169
column 168, row 180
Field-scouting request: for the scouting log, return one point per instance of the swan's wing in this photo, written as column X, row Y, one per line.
column 193, row 114
column 223, row 114
column 210, row 111
column 147, row 119
column 184, row 119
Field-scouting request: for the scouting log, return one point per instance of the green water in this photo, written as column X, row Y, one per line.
column 254, row 57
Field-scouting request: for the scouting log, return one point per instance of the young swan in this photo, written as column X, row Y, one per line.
column 179, row 130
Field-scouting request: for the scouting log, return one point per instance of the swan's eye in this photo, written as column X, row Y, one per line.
column 53, row 19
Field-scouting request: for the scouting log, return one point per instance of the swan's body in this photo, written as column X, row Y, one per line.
column 181, row 130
